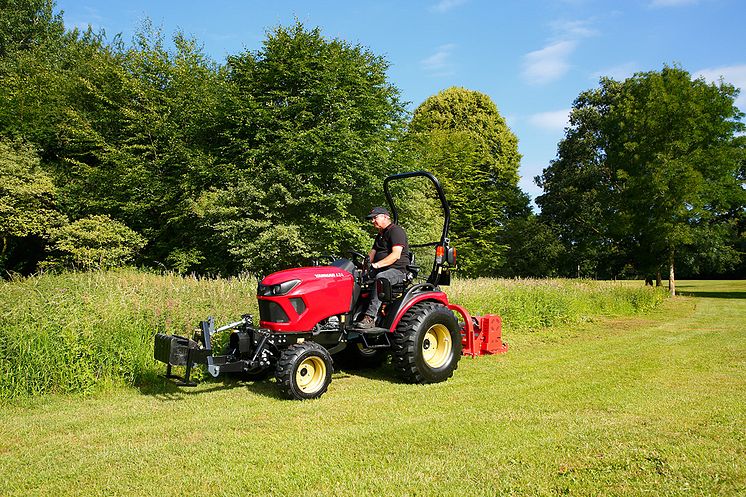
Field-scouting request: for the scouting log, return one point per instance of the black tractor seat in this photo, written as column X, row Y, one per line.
column 400, row 288
column 388, row 292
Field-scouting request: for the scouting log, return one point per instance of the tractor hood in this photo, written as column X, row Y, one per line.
column 295, row 300
column 308, row 274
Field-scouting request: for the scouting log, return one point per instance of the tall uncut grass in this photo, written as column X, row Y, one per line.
column 531, row 304
column 76, row 332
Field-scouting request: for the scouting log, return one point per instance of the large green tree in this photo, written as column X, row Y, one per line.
column 138, row 144
column 460, row 136
column 309, row 123
column 648, row 169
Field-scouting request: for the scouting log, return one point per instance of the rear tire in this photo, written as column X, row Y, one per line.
column 427, row 344
column 304, row 371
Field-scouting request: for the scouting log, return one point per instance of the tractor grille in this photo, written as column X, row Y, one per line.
column 272, row 312
column 298, row 304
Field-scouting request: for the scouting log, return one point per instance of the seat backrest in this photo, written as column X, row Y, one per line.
column 412, row 268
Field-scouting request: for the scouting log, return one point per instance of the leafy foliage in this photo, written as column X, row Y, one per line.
column 292, row 141
column 27, row 24
column 27, row 200
column 648, row 168
column 94, row 242
column 460, row 136
column 534, row 249
column 308, row 124
column 138, row 143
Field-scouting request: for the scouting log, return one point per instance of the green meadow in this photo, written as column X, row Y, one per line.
column 607, row 389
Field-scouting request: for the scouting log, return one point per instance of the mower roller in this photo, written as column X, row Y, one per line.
column 308, row 315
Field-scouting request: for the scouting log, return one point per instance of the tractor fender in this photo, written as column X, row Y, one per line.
column 438, row 297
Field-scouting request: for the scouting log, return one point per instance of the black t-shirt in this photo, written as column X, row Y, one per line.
column 386, row 240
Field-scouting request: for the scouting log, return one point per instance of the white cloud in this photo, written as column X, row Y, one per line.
column 92, row 18
column 548, row 64
column 735, row 75
column 672, row 3
column 552, row 62
column 439, row 63
column 446, row 5
column 579, row 28
column 556, row 120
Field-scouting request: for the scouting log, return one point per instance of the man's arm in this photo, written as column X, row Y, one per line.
column 394, row 256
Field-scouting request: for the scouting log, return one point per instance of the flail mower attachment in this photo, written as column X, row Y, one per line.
column 480, row 334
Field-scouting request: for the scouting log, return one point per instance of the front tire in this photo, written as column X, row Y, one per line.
column 427, row 344
column 304, row 371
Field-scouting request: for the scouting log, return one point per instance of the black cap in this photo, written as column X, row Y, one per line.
column 376, row 211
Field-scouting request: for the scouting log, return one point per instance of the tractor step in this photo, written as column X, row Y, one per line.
column 376, row 338
column 372, row 331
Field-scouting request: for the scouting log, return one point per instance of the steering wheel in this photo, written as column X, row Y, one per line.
column 361, row 261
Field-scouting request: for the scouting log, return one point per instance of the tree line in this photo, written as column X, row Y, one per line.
column 149, row 152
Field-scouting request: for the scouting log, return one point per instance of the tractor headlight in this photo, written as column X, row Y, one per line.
column 275, row 290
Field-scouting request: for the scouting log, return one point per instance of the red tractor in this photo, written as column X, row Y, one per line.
column 307, row 322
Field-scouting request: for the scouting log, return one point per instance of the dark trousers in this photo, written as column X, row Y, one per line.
column 394, row 276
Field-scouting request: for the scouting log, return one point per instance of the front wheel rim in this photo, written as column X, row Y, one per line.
column 311, row 375
column 437, row 346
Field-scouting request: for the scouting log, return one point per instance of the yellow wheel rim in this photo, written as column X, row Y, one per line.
column 311, row 375
column 437, row 346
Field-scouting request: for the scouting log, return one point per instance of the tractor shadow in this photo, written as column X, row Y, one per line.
column 164, row 389
column 169, row 390
column 385, row 373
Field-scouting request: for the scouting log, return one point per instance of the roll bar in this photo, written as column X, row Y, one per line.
column 438, row 188
column 440, row 273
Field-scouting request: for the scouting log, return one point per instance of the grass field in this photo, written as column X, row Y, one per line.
column 652, row 404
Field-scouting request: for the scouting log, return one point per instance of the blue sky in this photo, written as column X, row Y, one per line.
column 531, row 57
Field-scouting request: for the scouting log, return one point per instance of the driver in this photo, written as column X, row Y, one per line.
column 389, row 259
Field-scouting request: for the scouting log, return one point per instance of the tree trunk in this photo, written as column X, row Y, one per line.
column 671, row 277
column 658, row 278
